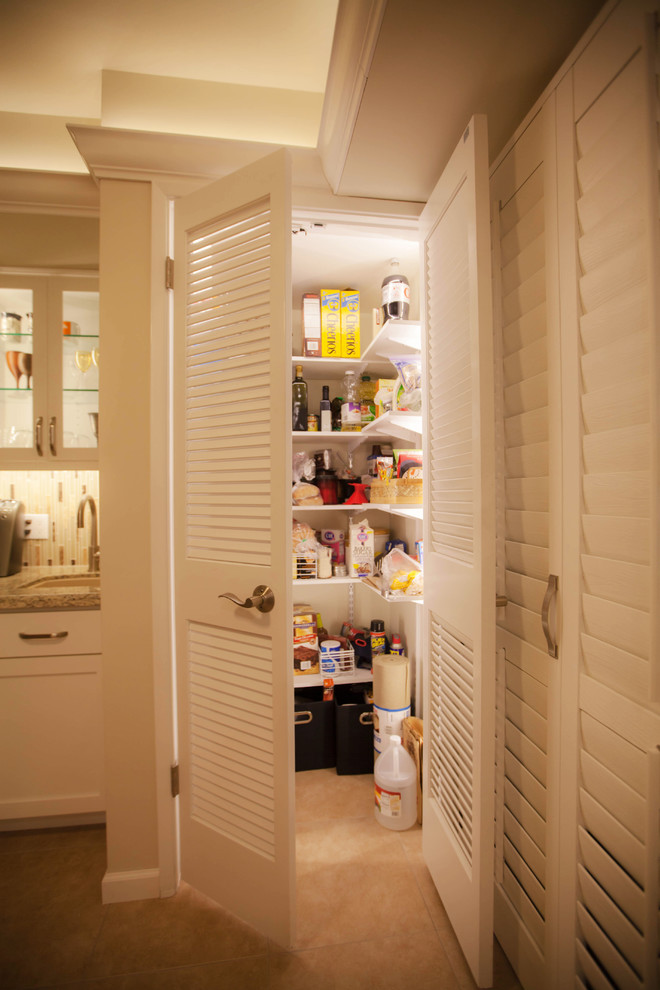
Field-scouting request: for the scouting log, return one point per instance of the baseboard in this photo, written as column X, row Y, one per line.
column 130, row 885
column 52, row 821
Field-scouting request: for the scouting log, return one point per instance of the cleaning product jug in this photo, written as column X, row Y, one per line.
column 395, row 787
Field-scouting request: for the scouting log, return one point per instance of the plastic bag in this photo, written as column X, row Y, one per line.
column 409, row 389
column 402, row 575
column 304, row 468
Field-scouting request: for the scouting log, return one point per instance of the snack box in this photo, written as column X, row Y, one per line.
column 305, row 644
column 360, row 550
column 330, row 323
column 350, row 323
column 311, row 324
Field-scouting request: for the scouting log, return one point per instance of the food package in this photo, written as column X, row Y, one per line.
column 305, row 549
column 384, row 398
column 360, row 549
column 402, row 575
column 305, row 640
column 311, row 324
column 409, row 387
column 413, row 742
column 330, row 323
column 350, row 323
column 409, row 464
column 305, row 494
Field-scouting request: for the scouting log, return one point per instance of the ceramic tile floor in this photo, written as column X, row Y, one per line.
column 368, row 914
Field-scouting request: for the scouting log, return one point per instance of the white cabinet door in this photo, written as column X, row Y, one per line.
column 526, row 319
column 232, row 454
column 459, row 549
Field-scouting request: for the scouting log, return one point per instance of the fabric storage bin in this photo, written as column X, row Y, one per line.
column 314, row 721
column 354, row 728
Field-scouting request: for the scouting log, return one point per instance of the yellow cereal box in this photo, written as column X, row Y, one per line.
column 330, row 323
column 350, row 323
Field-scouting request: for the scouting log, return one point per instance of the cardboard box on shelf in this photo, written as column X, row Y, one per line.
column 330, row 323
column 350, row 323
column 311, row 324
column 413, row 741
column 360, row 549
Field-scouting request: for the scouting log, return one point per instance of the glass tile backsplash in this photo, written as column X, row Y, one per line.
column 56, row 493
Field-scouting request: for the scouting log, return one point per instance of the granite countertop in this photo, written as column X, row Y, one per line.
column 68, row 588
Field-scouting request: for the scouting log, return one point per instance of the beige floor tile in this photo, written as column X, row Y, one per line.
column 344, row 843
column 397, row 962
column 177, row 931
column 38, row 961
column 323, row 794
column 234, row 974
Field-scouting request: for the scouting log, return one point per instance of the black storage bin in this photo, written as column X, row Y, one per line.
column 314, row 729
column 355, row 730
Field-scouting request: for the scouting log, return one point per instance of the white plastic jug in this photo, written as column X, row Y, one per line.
column 395, row 786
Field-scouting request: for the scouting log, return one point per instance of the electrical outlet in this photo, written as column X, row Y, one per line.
column 36, row 526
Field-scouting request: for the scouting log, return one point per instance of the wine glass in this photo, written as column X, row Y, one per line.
column 95, row 356
column 83, row 360
column 25, row 365
column 12, row 364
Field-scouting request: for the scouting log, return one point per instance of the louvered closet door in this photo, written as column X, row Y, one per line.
column 617, row 216
column 459, row 549
column 529, row 548
column 231, row 467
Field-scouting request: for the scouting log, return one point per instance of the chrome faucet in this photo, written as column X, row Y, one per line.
column 93, row 551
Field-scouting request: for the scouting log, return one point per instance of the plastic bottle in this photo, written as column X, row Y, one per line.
column 325, row 411
column 396, row 293
column 351, row 417
column 299, row 401
column 396, row 646
column 368, row 391
column 395, row 787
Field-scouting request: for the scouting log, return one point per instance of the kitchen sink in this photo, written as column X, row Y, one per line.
column 88, row 582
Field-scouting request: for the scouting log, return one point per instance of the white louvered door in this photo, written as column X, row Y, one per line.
column 616, row 176
column 523, row 189
column 231, row 468
column 459, row 549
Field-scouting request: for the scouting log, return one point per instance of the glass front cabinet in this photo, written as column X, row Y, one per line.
column 49, row 372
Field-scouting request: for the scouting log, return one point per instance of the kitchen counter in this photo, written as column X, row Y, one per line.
column 48, row 589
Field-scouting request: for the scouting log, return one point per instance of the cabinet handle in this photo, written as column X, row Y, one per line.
column 550, row 595
column 58, row 635
column 51, row 435
column 37, row 435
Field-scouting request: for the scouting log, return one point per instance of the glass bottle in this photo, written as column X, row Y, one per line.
column 396, row 293
column 299, row 401
column 326, row 411
column 351, row 416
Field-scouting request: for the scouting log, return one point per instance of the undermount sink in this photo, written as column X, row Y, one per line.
column 87, row 581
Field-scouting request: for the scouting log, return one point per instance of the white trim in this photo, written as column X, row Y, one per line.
column 130, row 885
column 356, row 33
column 53, row 821
column 161, row 545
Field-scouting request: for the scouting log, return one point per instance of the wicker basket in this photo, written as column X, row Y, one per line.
column 398, row 491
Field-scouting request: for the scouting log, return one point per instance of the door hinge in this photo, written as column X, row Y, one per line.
column 169, row 273
column 174, row 779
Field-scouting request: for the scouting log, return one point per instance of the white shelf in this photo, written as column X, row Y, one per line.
column 396, row 337
column 408, row 511
column 361, row 675
column 326, row 581
column 313, row 436
column 405, row 426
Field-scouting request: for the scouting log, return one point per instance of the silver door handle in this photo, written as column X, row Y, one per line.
column 262, row 598
column 59, row 635
column 51, row 436
column 550, row 595
column 37, row 435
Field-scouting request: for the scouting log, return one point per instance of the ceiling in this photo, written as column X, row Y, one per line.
column 405, row 76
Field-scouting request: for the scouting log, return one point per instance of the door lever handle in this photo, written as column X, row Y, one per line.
column 262, row 598
column 550, row 594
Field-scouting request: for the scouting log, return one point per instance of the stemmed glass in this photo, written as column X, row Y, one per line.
column 25, row 365
column 13, row 365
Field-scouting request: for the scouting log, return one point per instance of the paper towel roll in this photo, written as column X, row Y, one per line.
column 391, row 681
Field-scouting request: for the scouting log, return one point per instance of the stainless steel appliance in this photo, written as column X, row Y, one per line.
column 12, row 533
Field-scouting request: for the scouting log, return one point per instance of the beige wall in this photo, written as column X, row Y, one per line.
column 128, row 673
column 35, row 240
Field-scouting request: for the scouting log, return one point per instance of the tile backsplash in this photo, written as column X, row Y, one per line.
column 58, row 494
